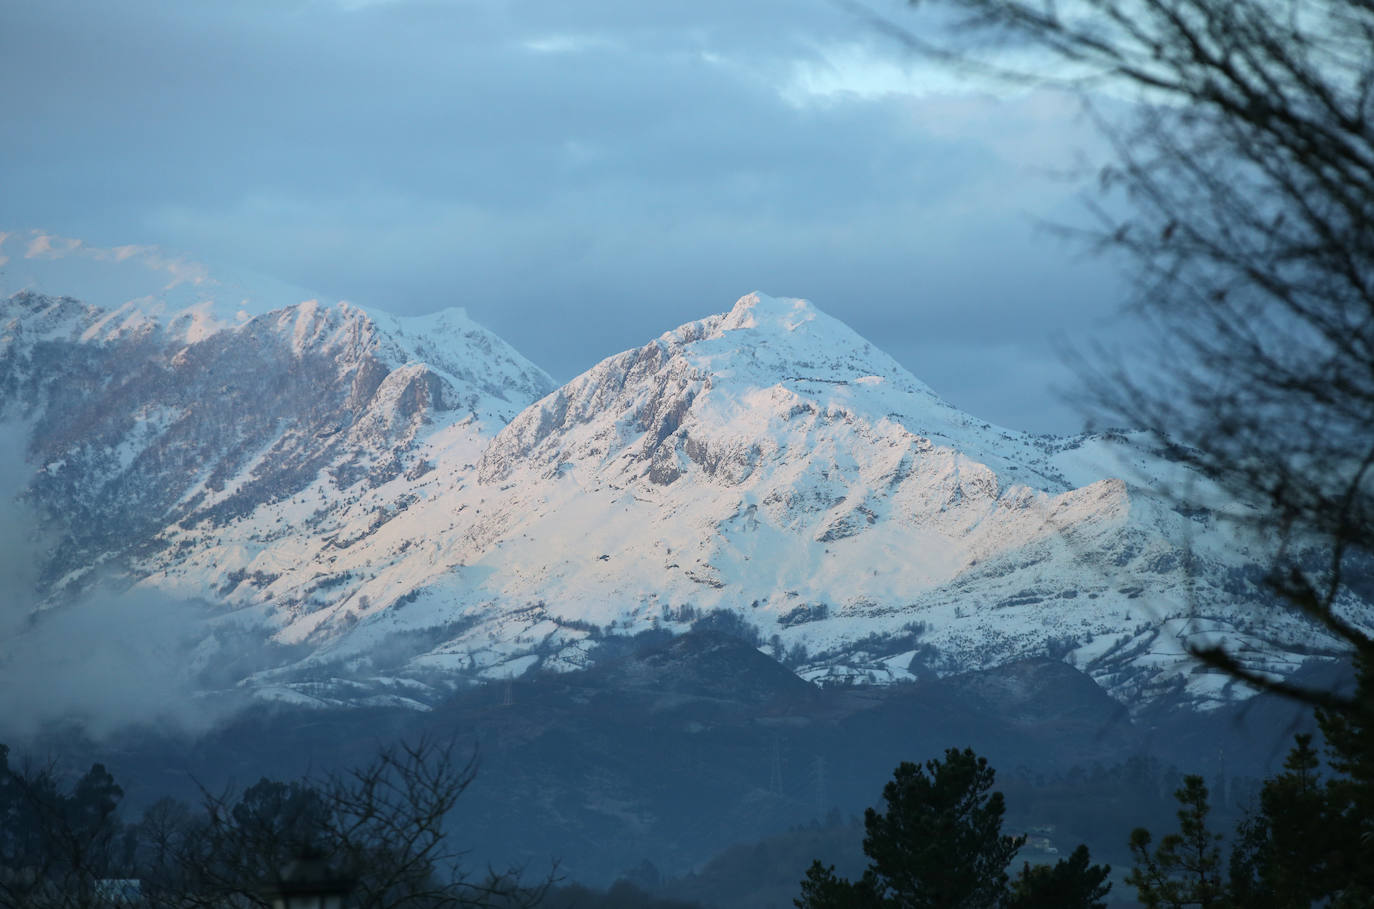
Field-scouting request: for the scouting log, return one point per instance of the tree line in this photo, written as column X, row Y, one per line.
column 1304, row 842
column 936, row 841
column 382, row 825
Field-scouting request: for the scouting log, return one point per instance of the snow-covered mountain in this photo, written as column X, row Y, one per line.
column 388, row 497
column 150, row 436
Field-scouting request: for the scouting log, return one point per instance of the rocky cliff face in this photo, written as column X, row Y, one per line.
column 389, row 496
column 142, row 430
column 771, row 463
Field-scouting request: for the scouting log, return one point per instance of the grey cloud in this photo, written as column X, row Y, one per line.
column 578, row 199
column 107, row 662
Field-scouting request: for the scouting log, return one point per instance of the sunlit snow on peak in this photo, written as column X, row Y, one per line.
column 756, row 309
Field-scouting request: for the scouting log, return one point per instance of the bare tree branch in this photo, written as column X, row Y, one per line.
column 1246, row 162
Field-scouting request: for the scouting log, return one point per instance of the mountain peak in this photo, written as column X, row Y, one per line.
column 341, row 476
column 758, row 310
column 464, row 353
column 768, row 340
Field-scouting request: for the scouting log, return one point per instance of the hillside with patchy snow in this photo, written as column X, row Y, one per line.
column 387, row 498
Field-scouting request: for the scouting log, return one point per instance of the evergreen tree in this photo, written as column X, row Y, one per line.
column 1291, row 840
column 1350, row 739
column 1186, row 868
column 940, row 845
column 940, row 842
column 821, row 889
column 1068, row 884
column 1247, row 860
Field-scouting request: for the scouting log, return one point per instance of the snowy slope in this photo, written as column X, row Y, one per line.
column 154, row 446
column 376, row 493
column 770, row 463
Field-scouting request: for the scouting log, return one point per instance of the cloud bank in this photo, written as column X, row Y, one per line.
column 580, row 176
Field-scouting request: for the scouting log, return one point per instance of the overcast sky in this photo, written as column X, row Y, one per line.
column 581, row 176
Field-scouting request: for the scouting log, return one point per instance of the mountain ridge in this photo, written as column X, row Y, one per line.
column 413, row 506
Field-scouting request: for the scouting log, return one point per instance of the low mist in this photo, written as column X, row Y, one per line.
column 111, row 659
